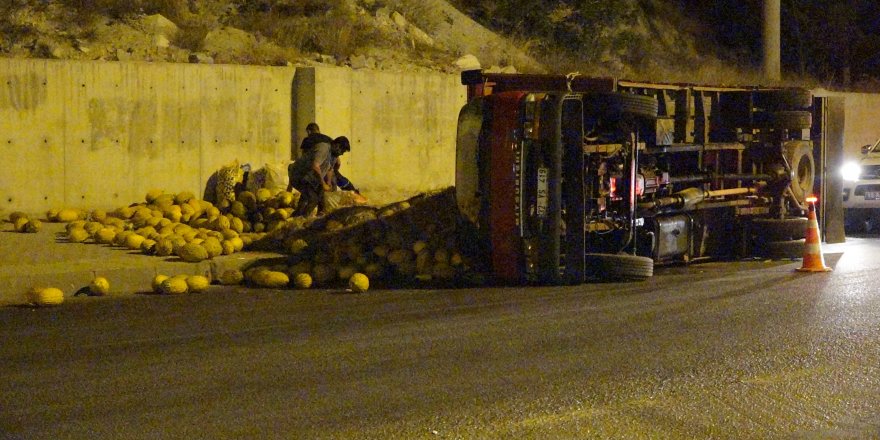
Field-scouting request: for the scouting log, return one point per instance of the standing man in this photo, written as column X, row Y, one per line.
column 312, row 174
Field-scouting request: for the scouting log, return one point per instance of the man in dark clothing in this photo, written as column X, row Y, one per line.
column 312, row 174
column 315, row 136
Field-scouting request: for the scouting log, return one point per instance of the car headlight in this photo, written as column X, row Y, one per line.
column 851, row 171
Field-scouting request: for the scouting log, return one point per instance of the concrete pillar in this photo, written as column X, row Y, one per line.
column 772, row 65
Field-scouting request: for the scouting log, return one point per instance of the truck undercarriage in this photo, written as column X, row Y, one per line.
column 573, row 179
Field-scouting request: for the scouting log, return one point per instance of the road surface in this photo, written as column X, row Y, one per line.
column 716, row 350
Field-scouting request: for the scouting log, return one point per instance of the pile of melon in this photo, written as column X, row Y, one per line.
column 22, row 223
column 420, row 241
column 180, row 224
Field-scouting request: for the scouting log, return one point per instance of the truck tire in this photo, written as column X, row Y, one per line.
column 779, row 229
column 618, row 105
column 781, row 250
column 799, row 156
column 785, row 120
column 617, row 267
column 784, row 99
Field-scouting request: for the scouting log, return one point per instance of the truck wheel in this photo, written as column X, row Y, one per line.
column 784, row 99
column 803, row 169
column 781, row 250
column 614, row 267
column 786, row 120
column 616, row 105
column 779, row 229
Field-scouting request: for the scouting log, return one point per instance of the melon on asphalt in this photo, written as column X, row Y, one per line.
column 33, row 226
column 271, row 279
column 68, row 215
column 134, row 241
column 359, row 283
column 157, row 282
column 45, row 296
column 99, row 286
column 164, row 247
column 174, row 286
column 105, row 235
column 231, row 277
column 77, row 235
column 302, row 280
column 197, row 283
column 18, row 224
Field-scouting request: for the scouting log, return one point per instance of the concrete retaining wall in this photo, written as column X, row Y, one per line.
column 100, row 135
column 402, row 126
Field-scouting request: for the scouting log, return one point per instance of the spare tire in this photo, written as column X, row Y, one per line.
column 783, row 120
column 784, row 99
column 799, row 155
column 617, row 267
column 618, row 105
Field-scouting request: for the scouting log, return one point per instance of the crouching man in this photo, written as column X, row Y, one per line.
column 312, row 174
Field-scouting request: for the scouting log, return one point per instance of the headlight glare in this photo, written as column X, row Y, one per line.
column 851, row 171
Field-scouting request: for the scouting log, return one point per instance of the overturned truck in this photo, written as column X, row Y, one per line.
column 569, row 179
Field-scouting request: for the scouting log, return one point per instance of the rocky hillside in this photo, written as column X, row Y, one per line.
column 640, row 40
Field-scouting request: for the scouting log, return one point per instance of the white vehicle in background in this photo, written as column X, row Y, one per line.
column 861, row 190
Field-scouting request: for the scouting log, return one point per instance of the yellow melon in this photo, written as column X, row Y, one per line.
column 297, row 246
column 148, row 246
column 45, row 296
column 33, row 226
column 98, row 215
column 271, row 279
column 174, row 286
column 359, row 283
column 157, row 283
column 99, row 286
column 153, row 194
column 105, row 235
column 192, row 252
column 77, row 235
column 68, row 215
column 213, row 247
column 302, row 281
column 18, row 224
column 228, row 247
column 231, row 277
column 183, row 197
column 197, row 283
column 263, row 194
column 134, row 241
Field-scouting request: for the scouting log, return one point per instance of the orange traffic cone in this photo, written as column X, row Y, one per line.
column 813, row 259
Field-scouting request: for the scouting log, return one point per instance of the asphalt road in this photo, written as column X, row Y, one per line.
column 717, row 350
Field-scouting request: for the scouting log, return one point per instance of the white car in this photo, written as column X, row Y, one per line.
column 861, row 190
